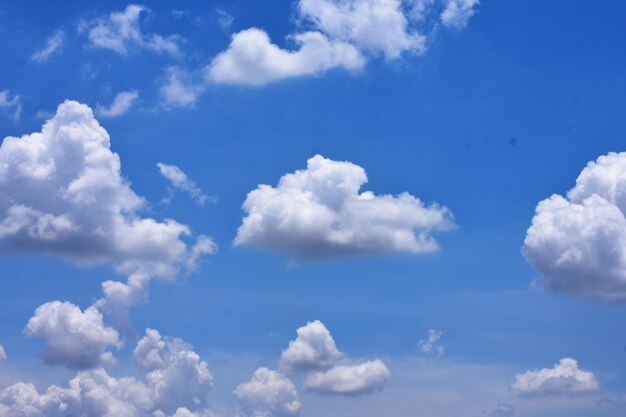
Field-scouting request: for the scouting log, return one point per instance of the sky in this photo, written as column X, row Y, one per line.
column 316, row 208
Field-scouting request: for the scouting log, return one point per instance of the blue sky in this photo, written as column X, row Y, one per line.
column 486, row 110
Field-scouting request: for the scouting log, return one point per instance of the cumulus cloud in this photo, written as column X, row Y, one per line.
column 371, row 25
column 252, row 58
column 176, row 385
column 268, row 394
column 578, row 242
column 319, row 213
column 175, row 372
column 314, row 348
column 328, row 370
column 53, row 46
column 11, row 103
column 564, row 379
column 457, row 13
column 119, row 31
column 349, row 379
column 180, row 181
column 76, row 339
column 121, row 104
column 432, row 344
column 3, row 354
column 179, row 90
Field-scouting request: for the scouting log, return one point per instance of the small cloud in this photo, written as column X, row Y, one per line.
column 180, row 181
column 564, row 379
column 432, row 344
column 53, row 45
column 224, row 19
column 121, row 104
column 179, row 90
column 3, row 355
column 12, row 104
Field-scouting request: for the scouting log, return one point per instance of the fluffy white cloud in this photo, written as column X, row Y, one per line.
column 179, row 90
column 177, row 383
column 180, row 181
column 314, row 348
column 175, row 372
column 121, row 104
column 9, row 103
column 371, row 25
column 319, row 213
column 578, row 242
column 564, row 379
column 63, row 194
column 252, row 59
column 53, row 45
column 432, row 344
column 268, row 394
column 3, row 355
column 349, row 379
column 73, row 338
column 457, row 13
column 329, row 371
column 121, row 30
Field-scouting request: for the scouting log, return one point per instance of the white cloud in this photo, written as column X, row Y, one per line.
column 268, row 394
column 3, row 354
column 53, row 46
column 320, row 213
column 121, row 30
column 564, row 379
column 224, row 19
column 175, row 372
column 179, row 90
column 432, row 344
column 314, row 348
column 121, row 104
column 349, row 379
column 73, row 338
column 458, row 12
column 371, row 25
column 14, row 103
column 252, row 59
column 180, row 181
column 578, row 242
column 178, row 384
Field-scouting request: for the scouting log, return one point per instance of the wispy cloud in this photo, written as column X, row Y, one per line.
column 53, row 46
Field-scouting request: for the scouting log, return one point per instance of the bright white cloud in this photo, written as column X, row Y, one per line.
column 320, row 213
column 53, row 45
column 12, row 104
column 180, row 181
column 3, row 354
column 177, row 385
column 252, row 59
column 314, row 348
column 457, row 13
column 564, row 379
column 268, row 394
column 349, row 379
column 371, row 25
column 120, row 31
column 121, row 104
column 578, row 242
column 432, row 344
column 174, row 371
column 73, row 338
column 179, row 90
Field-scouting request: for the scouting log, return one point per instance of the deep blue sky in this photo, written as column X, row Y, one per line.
column 489, row 121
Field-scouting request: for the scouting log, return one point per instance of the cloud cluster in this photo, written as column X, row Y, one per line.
column 76, row 339
column 432, row 345
column 11, row 103
column 121, row 104
column 457, row 13
column 564, row 379
column 53, row 46
column 328, row 370
column 320, row 213
column 180, row 181
column 268, row 394
column 176, row 381
column 119, row 31
column 578, row 242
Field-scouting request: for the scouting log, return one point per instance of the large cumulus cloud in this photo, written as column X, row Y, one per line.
column 320, row 213
column 578, row 241
column 565, row 378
